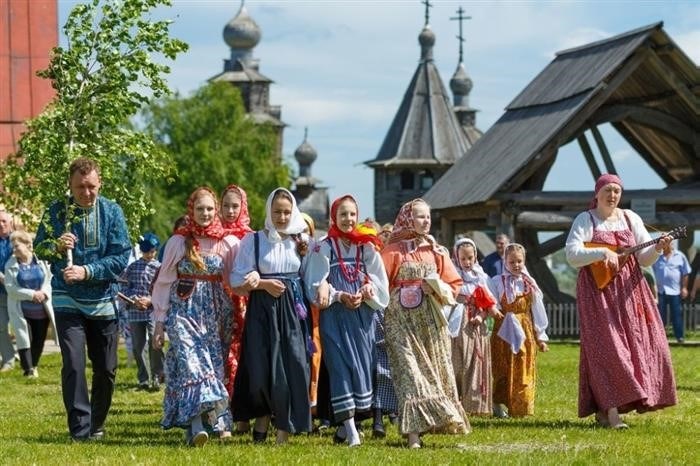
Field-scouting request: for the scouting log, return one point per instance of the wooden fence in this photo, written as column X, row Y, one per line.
column 563, row 320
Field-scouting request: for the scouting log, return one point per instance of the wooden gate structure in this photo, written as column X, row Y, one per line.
column 642, row 84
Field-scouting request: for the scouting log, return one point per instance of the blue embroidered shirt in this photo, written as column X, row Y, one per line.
column 103, row 247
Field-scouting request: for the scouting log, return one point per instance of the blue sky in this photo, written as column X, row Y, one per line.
column 341, row 67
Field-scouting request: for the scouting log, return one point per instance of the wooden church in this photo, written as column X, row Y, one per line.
column 639, row 82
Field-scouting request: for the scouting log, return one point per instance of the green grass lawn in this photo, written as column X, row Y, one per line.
column 33, row 429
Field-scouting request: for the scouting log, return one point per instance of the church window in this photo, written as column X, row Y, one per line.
column 407, row 181
column 426, row 179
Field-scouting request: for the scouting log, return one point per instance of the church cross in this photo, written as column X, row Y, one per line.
column 428, row 5
column 460, row 17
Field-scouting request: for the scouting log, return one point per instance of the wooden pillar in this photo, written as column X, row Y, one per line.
column 448, row 232
column 600, row 142
column 588, row 154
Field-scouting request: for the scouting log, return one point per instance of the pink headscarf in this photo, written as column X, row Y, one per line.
column 404, row 229
column 604, row 180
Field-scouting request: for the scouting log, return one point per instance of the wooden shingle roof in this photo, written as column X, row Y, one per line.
column 641, row 71
column 425, row 130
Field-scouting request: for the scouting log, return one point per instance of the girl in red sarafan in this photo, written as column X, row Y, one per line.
column 235, row 220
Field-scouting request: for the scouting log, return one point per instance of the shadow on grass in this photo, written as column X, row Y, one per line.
column 690, row 388
column 127, row 411
column 518, row 423
column 113, row 439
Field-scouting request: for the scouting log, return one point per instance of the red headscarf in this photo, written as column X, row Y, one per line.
column 356, row 236
column 191, row 228
column 604, row 180
column 241, row 225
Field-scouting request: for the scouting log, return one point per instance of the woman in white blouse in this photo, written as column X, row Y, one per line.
column 625, row 362
column 273, row 375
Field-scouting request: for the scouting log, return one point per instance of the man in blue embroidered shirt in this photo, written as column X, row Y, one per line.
column 85, row 239
column 7, row 351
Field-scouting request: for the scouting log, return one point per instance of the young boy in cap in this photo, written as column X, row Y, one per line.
column 137, row 294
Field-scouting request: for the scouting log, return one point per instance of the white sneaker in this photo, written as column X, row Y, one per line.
column 7, row 367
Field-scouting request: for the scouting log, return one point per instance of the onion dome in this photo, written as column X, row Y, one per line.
column 305, row 153
column 460, row 84
column 242, row 32
column 426, row 39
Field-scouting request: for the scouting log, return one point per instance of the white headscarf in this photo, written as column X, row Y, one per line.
column 539, row 314
column 296, row 223
column 476, row 273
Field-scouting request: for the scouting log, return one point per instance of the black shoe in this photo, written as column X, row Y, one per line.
column 259, row 437
column 338, row 439
column 378, row 430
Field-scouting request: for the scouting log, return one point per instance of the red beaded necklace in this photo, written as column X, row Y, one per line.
column 351, row 274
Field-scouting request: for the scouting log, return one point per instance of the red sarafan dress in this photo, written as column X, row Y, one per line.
column 625, row 360
column 238, row 228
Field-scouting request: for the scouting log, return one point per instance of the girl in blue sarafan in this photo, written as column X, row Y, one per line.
column 273, row 372
column 345, row 275
column 188, row 295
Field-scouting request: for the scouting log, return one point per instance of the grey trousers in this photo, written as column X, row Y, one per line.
column 7, row 351
column 141, row 334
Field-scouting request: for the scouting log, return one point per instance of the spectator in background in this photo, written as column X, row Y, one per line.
column 94, row 229
column 648, row 274
column 694, row 278
column 671, row 271
column 28, row 284
column 385, row 233
column 140, row 275
column 493, row 263
column 7, row 351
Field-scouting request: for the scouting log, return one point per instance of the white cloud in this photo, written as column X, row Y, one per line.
column 306, row 107
column 622, row 155
column 577, row 38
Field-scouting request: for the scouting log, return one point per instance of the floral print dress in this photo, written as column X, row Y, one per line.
column 194, row 364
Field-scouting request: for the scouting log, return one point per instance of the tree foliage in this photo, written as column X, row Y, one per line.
column 107, row 71
column 212, row 143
